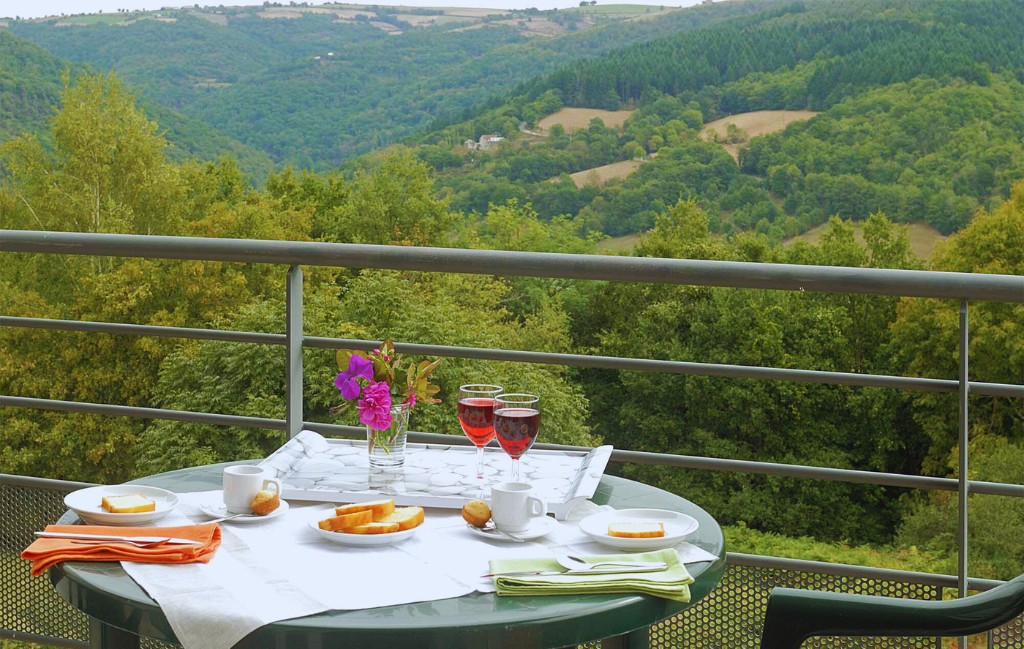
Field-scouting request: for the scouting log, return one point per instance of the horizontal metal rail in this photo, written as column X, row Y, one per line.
column 857, row 572
column 45, row 640
column 630, row 457
column 546, row 358
column 789, row 277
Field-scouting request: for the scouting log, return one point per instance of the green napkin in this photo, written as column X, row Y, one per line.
column 672, row 583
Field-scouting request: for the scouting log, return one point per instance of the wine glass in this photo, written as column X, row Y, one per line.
column 476, row 416
column 516, row 424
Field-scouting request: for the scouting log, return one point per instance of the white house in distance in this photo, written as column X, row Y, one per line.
column 486, row 142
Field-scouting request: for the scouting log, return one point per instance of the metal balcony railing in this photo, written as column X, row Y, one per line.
column 715, row 621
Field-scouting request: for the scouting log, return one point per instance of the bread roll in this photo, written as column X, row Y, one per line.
column 265, row 502
column 406, row 517
column 476, row 512
column 342, row 523
column 636, row 530
column 128, row 504
column 379, row 508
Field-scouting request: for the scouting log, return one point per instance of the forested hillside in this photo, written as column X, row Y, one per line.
column 256, row 79
column 922, row 119
column 31, row 82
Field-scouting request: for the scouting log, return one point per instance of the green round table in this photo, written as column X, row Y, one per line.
column 120, row 611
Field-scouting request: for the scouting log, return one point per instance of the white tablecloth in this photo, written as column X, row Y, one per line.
column 280, row 569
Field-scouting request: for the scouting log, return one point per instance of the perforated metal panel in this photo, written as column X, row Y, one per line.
column 30, row 604
column 732, row 616
column 1009, row 636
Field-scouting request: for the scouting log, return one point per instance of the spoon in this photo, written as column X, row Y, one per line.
column 138, row 544
column 577, row 564
column 490, row 527
column 228, row 518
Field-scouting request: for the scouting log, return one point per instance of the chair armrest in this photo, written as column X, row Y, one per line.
column 795, row 615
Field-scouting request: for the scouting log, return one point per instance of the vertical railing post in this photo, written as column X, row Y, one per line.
column 962, row 477
column 293, row 347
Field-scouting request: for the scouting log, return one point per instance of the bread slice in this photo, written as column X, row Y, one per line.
column 345, row 521
column 406, row 517
column 379, row 508
column 373, row 528
column 128, row 504
column 636, row 530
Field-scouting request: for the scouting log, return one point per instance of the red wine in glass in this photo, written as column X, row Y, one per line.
column 476, row 416
column 516, row 424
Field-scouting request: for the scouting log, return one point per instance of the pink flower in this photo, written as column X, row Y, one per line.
column 375, row 406
column 411, row 400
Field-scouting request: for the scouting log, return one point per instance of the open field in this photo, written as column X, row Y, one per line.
column 922, row 237
column 760, row 122
column 621, row 9
column 624, row 243
column 600, row 175
column 574, row 119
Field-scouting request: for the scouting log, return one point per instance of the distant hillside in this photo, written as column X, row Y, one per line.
column 316, row 85
column 30, row 88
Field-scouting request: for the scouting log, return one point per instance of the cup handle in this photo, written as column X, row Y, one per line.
column 537, row 506
column 277, row 485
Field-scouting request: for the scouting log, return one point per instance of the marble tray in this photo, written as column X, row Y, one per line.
column 435, row 475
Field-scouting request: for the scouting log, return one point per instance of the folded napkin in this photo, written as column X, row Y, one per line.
column 44, row 552
column 672, row 583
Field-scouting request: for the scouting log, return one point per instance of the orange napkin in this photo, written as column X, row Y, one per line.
column 43, row 552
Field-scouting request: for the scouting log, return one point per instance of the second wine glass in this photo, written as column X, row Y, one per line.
column 516, row 424
column 476, row 416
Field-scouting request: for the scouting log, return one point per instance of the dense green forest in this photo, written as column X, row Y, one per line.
column 104, row 169
column 31, row 81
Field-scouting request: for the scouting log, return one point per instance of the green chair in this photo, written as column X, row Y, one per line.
column 795, row 615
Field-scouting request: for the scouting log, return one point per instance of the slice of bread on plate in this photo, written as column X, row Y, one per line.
column 406, row 517
column 128, row 504
column 344, row 522
column 379, row 508
column 636, row 530
column 373, row 528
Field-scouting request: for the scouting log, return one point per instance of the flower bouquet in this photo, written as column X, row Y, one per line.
column 368, row 381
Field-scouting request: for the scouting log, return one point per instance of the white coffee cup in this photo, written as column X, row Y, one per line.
column 241, row 483
column 513, row 506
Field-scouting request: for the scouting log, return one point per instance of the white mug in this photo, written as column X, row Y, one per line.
column 513, row 506
column 241, row 483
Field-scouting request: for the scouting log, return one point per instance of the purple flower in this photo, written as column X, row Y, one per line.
column 346, row 381
column 375, row 406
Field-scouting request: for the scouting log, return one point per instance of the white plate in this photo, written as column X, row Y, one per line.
column 219, row 510
column 539, row 526
column 356, row 540
column 87, row 503
column 677, row 528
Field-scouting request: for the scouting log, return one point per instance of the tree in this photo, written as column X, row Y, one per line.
column 926, row 332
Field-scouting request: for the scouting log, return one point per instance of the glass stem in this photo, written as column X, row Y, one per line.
column 515, row 469
column 479, row 462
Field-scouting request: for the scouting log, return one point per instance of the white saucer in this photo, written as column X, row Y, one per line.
column 219, row 510
column 540, row 526
column 356, row 540
column 677, row 528
column 88, row 504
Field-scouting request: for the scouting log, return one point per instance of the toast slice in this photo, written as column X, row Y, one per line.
column 406, row 517
column 128, row 504
column 636, row 530
column 344, row 522
column 379, row 508
column 373, row 528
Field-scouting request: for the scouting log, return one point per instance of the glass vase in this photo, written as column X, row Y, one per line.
column 386, row 447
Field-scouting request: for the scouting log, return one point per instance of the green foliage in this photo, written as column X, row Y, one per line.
column 927, row 334
column 996, row 522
